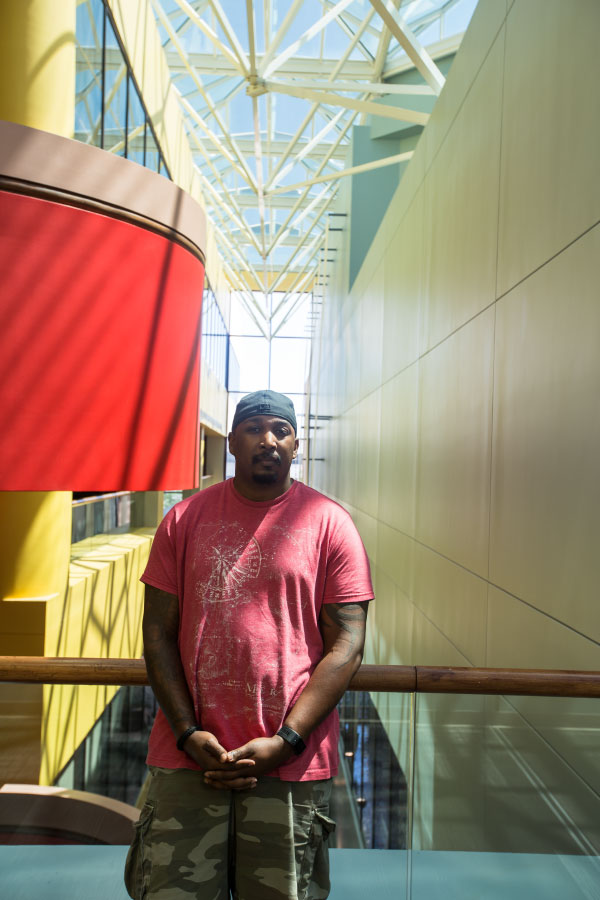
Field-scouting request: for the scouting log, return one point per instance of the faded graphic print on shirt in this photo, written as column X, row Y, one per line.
column 233, row 568
column 225, row 558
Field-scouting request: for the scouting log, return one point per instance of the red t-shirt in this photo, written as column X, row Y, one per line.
column 251, row 578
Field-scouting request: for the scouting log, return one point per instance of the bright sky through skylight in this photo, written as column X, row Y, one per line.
column 270, row 106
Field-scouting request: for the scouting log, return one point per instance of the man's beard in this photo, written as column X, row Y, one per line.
column 265, row 477
column 271, row 475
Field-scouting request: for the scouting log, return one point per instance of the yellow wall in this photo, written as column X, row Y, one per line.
column 35, row 536
column 467, row 448
column 37, row 54
column 97, row 614
column 100, row 617
column 35, row 532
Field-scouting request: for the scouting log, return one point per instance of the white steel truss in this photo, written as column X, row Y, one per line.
column 269, row 91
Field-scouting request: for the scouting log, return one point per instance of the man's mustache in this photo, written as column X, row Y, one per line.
column 266, row 457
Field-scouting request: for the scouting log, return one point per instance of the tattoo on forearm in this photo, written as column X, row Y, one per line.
column 348, row 620
column 161, row 652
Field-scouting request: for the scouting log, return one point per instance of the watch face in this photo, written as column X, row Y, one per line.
column 292, row 738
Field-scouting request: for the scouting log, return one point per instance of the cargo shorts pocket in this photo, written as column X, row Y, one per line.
column 314, row 883
column 138, row 863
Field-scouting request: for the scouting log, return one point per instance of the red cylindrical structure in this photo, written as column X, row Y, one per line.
column 100, row 322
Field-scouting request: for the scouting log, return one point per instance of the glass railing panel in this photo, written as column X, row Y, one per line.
column 506, row 797
column 370, row 795
column 92, row 799
column 111, row 761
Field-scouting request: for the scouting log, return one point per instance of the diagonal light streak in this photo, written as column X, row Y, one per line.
column 286, row 153
column 211, row 196
column 234, row 158
column 216, row 141
column 300, row 279
column 92, row 24
column 383, row 46
column 135, row 132
column 257, row 140
column 285, row 269
column 259, row 173
column 122, row 72
column 205, row 29
column 382, row 52
column 336, row 70
column 231, row 208
column 308, row 35
column 344, row 173
column 270, row 114
column 230, row 34
column 205, row 96
column 228, row 240
column 320, row 168
column 341, row 20
column 226, row 97
column 243, row 265
column 407, row 40
column 362, row 87
column 365, row 106
column 355, row 20
column 308, row 147
column 319, row 199
column 301, row 291
column 419, row 24
column 281, row 33
column 237, row 157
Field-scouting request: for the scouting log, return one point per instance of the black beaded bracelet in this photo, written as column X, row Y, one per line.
column 183, row 737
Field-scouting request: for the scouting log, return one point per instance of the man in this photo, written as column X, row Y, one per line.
column 256, row 602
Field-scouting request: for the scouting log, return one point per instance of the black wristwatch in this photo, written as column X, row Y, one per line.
column 292, row 738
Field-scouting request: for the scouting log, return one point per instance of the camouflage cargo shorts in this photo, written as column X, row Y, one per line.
column 196, row 843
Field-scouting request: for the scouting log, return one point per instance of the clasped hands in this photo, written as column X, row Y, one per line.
column 237, row 769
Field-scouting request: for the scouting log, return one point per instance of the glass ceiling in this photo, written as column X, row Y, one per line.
column 270, row 91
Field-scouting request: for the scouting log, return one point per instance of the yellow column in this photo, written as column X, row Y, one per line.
column 37, row 88
column 37, row 64
column 35, row 535
column 35, row 538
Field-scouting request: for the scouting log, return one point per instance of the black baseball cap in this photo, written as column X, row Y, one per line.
column 265, row 403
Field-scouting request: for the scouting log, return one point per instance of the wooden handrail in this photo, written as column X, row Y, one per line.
column 526, row 682
column 419, row 679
